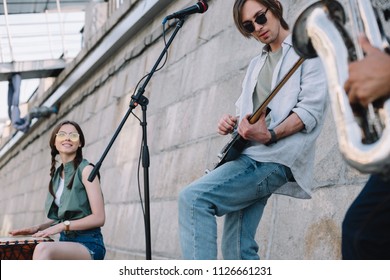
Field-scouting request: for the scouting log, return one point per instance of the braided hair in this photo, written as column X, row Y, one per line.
column 54, row 152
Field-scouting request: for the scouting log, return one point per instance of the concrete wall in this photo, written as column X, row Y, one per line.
column 200, row 81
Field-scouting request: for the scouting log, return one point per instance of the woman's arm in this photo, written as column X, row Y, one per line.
column 32, row 229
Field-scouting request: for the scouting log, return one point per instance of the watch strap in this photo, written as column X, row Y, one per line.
column 273, row 137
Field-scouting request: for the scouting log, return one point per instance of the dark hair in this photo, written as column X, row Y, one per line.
column 273, row 5
column 77, row 160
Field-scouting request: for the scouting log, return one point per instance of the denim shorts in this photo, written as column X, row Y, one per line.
column 92, row 239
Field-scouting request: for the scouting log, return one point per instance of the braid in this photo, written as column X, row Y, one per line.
column 54, row 152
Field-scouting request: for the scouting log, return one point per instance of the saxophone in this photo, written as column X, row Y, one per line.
column 363, row 133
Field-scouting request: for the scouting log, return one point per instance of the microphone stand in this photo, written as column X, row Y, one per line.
column 143, row 101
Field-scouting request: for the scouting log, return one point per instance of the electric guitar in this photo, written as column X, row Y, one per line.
column 237, row 144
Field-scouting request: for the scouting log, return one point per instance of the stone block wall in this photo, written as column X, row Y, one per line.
column 200, row 81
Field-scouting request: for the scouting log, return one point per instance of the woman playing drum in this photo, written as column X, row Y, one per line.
column 74, row 206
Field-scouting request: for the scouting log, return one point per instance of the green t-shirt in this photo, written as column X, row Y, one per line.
column 264, row 81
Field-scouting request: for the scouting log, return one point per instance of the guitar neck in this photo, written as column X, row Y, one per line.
column 256, row 115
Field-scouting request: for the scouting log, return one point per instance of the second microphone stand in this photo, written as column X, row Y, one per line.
column 140, row 99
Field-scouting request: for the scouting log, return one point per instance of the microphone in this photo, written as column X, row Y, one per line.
column 199, row 7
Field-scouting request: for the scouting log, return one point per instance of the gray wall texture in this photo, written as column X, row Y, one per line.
column 200, row 81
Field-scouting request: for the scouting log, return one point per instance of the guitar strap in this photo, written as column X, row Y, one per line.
column 256, row 115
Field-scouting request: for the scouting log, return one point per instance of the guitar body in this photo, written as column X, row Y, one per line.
column 232, row 149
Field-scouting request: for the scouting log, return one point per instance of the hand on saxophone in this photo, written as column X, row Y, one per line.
column 369, row 78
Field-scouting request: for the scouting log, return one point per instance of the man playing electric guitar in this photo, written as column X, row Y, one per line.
column 280, row 154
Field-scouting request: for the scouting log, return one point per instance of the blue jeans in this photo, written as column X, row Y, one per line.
column 239, row 190
column 366, row 225
column 92, row 239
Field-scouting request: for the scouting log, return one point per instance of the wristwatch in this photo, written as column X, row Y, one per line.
column 273, row 137
column 67, row 225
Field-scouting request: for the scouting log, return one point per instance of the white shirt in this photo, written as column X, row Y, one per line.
column 59, row 192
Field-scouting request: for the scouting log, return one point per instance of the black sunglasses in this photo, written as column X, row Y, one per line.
column 260, row 19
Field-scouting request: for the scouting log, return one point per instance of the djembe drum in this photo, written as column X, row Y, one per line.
column 19, row 247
